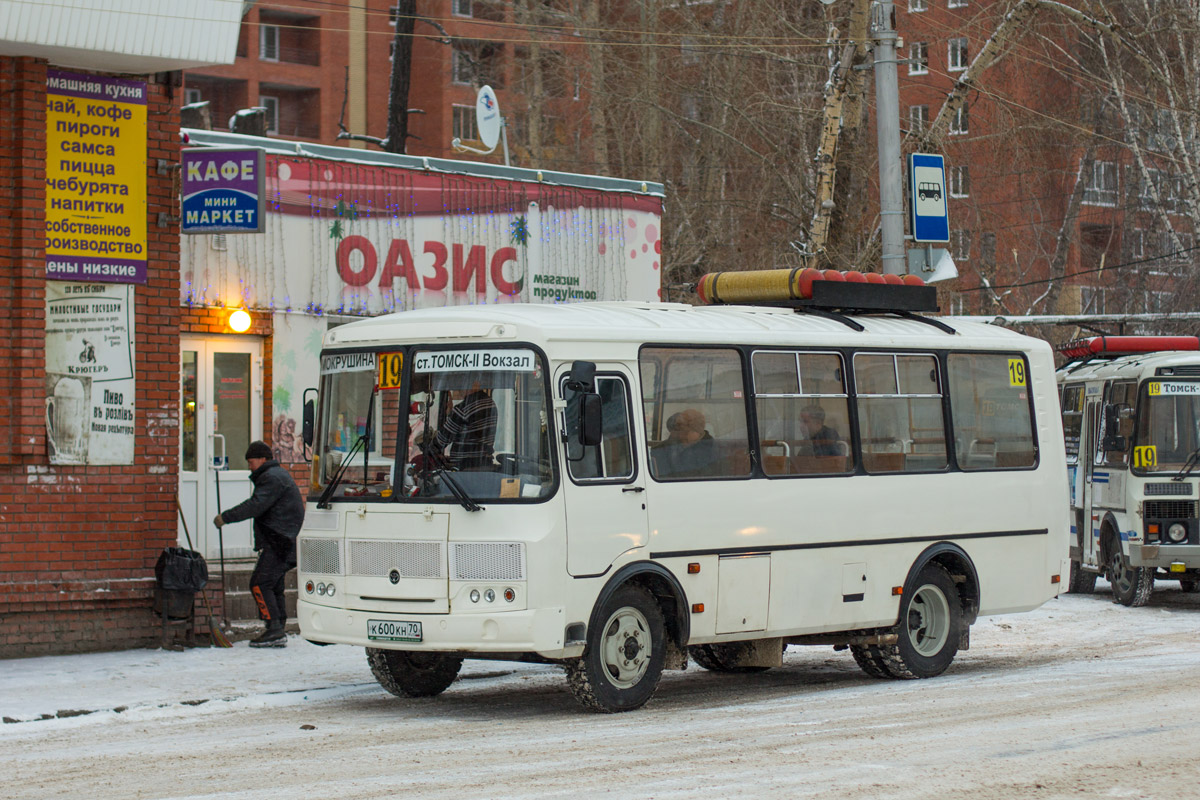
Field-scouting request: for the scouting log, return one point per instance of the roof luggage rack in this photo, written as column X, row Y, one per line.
column 830, row 294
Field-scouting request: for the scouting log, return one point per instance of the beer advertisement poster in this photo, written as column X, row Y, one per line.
column 89, row 373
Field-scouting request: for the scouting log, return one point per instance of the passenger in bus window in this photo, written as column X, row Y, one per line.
column 824, row 439
column 689, row 450
column 469, row 431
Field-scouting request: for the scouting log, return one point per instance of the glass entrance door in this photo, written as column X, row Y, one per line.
column 220, row 387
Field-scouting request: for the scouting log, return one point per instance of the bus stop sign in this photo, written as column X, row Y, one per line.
column 927, row 190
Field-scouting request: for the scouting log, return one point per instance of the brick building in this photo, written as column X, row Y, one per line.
column 1046, row 210
column 86, row 506
column 313, row 64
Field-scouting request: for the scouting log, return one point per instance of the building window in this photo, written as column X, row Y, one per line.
column 918, row 119
column 461, row 69
column 1101, row 186
column 271, row 106
column 960, row 182
column 1091, row 300
column 987, row 250
column 956, row 4
column 918, row 5
column 268, row 42
column 918, row 58
column 191, row 96
column 960, row 244
column 1137, row 243
column 689, row 51
column 958, row 55
column 464, row 123
column 462, row 8
column 958, row 124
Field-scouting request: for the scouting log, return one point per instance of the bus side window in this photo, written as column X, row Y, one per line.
column 900, row 419
column 989, row 401
column 1072, row 420
column 803, row 413
column 1116, row 434
column 612, row 459
column 695, row 413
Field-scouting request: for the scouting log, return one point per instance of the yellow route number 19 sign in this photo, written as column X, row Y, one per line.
column 391, row 365
column 1145, row 457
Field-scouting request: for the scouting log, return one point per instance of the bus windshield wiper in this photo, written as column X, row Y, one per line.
column 323, row 501
column 460, row 494
column 1188, row 465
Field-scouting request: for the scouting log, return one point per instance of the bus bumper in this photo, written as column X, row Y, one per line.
column 538, row 631
column 1164, row 555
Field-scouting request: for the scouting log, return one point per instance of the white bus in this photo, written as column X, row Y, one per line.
column 662, row 480
column 1131, row 420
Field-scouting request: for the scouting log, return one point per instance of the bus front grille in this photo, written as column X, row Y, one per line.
column 1169, row 509
column 1176, row 488
column 320, row 556
column 410, row 559
column 488, row 561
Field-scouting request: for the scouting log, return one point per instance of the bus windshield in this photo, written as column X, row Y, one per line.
column 478, row 426
column 355, row 448
column 1169, row 424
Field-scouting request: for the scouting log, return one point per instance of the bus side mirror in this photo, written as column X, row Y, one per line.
column 308, row 422
column 589, row 419
column 1112, row 442
column 583, row 377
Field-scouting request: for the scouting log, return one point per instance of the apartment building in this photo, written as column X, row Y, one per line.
column 320, row 67
column 1050, row 211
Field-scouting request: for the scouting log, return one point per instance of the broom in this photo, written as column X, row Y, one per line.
column 218, row 636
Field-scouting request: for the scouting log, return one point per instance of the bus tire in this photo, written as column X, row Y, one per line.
column 623, row 661
column 722, row 658
column 929, row 628
column 870, row 660
column 1131, row 586
column 406, row 673
column 1081, row 581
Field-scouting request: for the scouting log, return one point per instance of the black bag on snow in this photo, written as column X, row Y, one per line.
column 180, row 570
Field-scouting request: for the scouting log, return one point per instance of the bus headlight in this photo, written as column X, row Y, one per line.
column 1177, row 532
column 474, row 595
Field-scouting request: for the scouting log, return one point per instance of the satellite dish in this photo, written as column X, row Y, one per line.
column 487, row 117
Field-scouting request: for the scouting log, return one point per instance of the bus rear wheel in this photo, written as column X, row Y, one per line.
column 623, row 661
column 1081, row 581
column 405, row 673
column 929, row 629
column 870, row 660
column 722, row 658
column 1131, row 586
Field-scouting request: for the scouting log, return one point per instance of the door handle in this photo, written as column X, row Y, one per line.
column 634, row 489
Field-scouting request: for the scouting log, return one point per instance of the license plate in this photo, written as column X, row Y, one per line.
column 385, row 631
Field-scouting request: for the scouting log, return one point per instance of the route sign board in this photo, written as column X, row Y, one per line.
column 927, row 198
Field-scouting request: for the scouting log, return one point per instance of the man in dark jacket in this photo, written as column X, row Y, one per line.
column 278, row 512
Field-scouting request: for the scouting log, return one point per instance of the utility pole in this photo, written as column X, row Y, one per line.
column 887, row 121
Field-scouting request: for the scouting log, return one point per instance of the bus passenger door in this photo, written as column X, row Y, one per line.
column 1088, row 444
column 604, row 487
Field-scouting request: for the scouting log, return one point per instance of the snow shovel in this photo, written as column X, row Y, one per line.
column 218, row 636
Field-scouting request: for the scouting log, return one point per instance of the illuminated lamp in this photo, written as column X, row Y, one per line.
column 239, row 321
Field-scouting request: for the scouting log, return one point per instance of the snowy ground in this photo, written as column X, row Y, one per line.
column 1081, row 698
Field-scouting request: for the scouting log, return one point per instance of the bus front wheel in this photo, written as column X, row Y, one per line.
column 1131, row 586
column 929, row 629
column 411, row 674
column 623, row 661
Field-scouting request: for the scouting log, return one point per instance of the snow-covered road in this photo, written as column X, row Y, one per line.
column 1081, row 698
